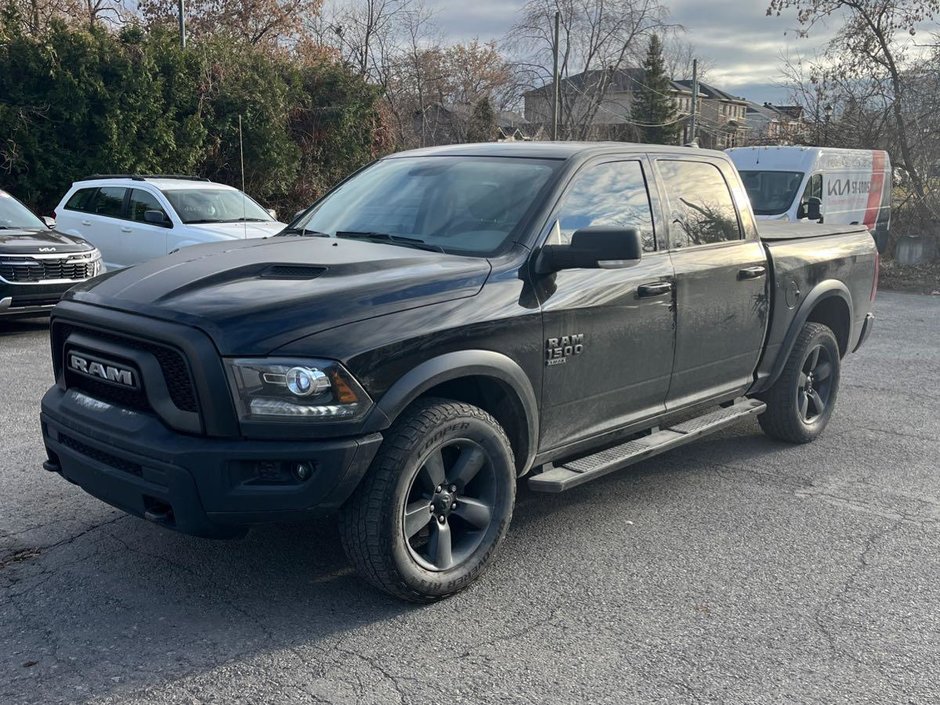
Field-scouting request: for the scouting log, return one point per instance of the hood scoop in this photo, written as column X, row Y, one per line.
column 292, row 271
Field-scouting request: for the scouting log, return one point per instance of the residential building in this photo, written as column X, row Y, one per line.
column 776, row 124
column 598, row 104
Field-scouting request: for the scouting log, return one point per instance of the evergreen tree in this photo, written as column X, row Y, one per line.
column 654, row 109
column 482, row 126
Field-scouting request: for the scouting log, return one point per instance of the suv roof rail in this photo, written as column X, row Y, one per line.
column 144, row 177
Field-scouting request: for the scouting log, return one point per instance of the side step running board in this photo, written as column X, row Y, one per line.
column 576, row 472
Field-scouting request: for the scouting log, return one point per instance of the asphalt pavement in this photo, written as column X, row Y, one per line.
column 734, row 570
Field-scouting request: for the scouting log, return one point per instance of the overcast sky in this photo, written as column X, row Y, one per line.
column 742, row 45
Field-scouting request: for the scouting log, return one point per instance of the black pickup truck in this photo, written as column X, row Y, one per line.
column 442, row 323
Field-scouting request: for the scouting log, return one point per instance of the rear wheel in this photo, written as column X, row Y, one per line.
column 428, row 516
column 800, row 402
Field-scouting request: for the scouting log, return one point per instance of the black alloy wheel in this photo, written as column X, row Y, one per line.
column 815, row 384
column 449, row 505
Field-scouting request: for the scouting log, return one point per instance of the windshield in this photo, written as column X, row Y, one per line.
column 15, row 216
column 771, row 192
column 215, row 206
column 464, row 205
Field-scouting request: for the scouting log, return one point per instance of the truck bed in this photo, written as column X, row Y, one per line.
column 782, row 230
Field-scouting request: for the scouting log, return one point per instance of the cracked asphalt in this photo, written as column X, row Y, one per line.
column 734, row 570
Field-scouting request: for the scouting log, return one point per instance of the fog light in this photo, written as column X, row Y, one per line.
column 303, row 471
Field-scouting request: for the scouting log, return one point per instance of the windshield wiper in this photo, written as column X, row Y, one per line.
column 390, row 239
column 303, row 232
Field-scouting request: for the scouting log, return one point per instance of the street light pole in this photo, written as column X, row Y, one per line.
column 182, row 11
column 556, row 89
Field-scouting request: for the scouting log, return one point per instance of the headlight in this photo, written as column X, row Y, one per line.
column 285, row 388
column 97, row 266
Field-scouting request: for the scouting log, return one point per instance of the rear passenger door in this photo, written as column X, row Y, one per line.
column 141, row 240
column 721, row 281
column 101, row 223
column 608, row 332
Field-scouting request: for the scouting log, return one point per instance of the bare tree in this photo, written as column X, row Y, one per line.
column 259, row 22
column 36, row 15
column 598, row 39
column 869, row 48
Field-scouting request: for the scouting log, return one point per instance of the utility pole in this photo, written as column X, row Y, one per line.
column 556, row 89
column 182, row 10
column 692, row 124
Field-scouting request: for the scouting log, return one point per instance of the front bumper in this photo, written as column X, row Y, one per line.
column 202, row 486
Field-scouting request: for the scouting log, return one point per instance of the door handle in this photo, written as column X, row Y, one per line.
column 126, row 230
column 653, row 289
column 86, row 222
column 752, row 272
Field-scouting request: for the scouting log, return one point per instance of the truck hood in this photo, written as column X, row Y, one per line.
column 29, row 241
column 239, row 231
column 253, row 296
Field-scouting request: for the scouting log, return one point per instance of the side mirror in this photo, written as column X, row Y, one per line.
column 298, row 214
column 814, row 209
column 271, row 212
column 156, row 217
column 596, row 247
column 50, row 222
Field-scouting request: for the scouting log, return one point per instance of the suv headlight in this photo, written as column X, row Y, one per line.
column 285, row 388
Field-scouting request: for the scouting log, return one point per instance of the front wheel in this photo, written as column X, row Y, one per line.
column 434, row 505
column 800, row 402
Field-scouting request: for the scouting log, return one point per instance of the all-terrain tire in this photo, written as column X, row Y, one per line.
column 810, row 379
column 373, row 522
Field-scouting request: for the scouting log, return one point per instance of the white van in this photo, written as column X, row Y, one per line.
column 837, row 186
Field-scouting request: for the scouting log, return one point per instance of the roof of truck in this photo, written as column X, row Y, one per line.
column 544, row 150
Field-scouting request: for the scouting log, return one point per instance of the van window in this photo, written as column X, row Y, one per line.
column 771, row 192
column 141, row 202
column 80, row 200
column 814, row 189
column 701, row 210
column 109, row 201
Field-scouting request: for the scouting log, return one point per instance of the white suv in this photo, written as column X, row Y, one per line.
column 131, row 219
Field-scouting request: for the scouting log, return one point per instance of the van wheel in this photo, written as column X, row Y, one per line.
column 800, row 402
column 426, row 519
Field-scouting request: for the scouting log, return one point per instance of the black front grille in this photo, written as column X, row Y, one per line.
column 23, row 269
column 176, row 375
column 101, row 456
column 122, row 396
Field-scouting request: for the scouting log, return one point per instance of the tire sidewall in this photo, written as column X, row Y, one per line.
column 490, row 438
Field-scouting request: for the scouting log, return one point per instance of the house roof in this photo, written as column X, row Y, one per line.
column 624, row 80
column 709, row 91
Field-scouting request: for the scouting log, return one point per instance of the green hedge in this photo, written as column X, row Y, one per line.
column 78, row 102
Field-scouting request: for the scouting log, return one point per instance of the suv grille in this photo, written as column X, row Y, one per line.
column 19, row 269
column 176, row 373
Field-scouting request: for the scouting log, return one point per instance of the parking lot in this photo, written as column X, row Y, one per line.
column 734, row 570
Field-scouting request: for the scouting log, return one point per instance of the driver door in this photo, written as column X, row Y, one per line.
column 609, row 333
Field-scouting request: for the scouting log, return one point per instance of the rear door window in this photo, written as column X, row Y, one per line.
column 80, row 200
column 701, row 210
column 109, row 201
column 141, row 202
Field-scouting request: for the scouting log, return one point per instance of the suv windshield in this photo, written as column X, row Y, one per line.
column 15, row 216
column 215, row 206
column 771, row 192
column 464, row 205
